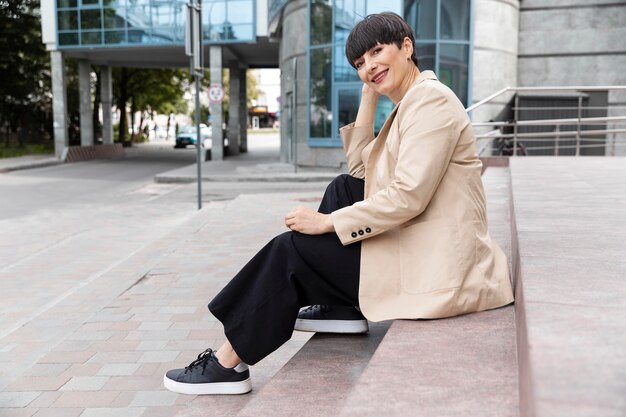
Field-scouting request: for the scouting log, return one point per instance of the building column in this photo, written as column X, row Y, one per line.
column 217, row 150
column 233, row 110
column 243, row 110
column 84, row 99
column 106, row 97
column 59, row 103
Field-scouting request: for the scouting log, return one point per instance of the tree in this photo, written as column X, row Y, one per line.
column 25, row 100
column 146, row 90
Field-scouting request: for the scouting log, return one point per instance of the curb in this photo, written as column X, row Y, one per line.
column 30, row 165
column 322, row 177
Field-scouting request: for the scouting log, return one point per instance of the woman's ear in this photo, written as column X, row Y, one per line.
column 407, row 46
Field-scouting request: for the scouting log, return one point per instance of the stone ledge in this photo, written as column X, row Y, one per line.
column 88, row 153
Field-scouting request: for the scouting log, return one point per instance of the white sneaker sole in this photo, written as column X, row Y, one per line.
column 332, row 326
column 240, row 387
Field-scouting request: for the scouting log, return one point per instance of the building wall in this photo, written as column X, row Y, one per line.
column 574, row 43
column 293, row 53
column 495, row 54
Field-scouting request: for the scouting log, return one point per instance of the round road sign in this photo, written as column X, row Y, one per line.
column 216, row 93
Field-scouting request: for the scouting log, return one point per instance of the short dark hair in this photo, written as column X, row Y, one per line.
column 385, row 28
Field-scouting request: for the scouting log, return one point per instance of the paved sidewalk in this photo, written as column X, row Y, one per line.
column 27, row 162
column 142, row 317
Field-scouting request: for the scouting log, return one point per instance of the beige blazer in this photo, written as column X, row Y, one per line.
column 426, row 251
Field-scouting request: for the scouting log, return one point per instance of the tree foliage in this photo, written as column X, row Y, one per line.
column 147, row 91
column 25, row 100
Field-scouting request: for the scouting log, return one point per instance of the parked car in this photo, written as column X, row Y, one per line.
column 187, row 136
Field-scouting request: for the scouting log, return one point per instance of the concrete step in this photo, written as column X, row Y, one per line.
column 429, row 368
column 463, row 365
column 319, row 378
column 571, row 226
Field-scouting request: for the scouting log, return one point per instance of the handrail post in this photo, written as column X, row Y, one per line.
column 580, row 103
column 515, row 126
column 557, row 130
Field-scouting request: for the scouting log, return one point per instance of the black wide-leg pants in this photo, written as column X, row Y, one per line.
column 260, row 305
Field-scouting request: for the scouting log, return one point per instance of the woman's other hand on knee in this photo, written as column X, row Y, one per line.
column 310, row 222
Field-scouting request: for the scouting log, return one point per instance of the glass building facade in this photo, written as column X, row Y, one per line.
column 110, row 23
column 443, row 43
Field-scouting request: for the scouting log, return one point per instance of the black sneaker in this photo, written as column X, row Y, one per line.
column 205, row 375
column 331, row 319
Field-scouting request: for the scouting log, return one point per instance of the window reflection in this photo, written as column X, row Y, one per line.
column 320, row 106
column 321, row 22
column 422, row 16
column 453, row 69
column 383, row 110
column 151, row 22
column 426, row 56
column 455, row 19
column 348, row 104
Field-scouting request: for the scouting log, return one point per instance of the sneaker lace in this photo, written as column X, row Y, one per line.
column 202, row 360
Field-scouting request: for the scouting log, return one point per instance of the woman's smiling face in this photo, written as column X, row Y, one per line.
column 384, row 67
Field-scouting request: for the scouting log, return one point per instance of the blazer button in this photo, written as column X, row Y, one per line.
column 354, row 234
column 368, row 230
column 361, row 232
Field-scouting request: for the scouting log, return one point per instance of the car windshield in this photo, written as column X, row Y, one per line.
column 187, row 129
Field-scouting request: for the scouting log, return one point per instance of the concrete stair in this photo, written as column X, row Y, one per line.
column 557, row 352
column 428, row 367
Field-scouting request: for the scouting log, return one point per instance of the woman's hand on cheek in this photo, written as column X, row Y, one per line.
column 367, row 92
column 309, row 222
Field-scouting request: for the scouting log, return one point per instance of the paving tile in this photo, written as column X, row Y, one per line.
column 154, row 398
column 113, row 412
column 152, row 345
column 166, row 356
column 85, row 383
column 86, row 399
column 66, row 357
column 164, row 411
column 18, row 412
column 47, row 369
column 123, row 400
column 46, row 399
column 134, row 383
column 115, row 357
column 38, row 383
column 155, row 325
column 17, row 399
column 119, row 369
column 59, row 412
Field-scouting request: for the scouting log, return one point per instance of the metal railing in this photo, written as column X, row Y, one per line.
column 567, row 135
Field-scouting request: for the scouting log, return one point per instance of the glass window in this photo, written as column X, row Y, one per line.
column 68, row 20
column 426, row 56
column 90, row 38
column 383, row 110
column 114, row 18
column 66, row 3
column 213, row 13
column 240, row 12
column 343, row 70
column 321, row 22
column 90, row 19
column 114, row 37
column 90, row 2
column 320, row 93
column 377, row 6
column 137, row 36
column 422, row 16
column 68, row 38
column 455, row 19
column 347, row 106
column 453, row 69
